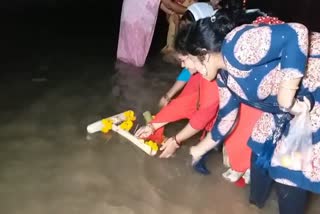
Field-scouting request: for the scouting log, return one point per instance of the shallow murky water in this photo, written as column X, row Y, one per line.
column 49, row 164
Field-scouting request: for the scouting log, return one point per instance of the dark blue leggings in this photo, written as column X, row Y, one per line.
column 291, row 200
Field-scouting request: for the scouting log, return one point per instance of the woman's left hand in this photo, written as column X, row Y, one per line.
column 169, row 147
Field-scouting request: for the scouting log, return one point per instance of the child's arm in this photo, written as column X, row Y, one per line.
column 181, row 81
column 177, row 86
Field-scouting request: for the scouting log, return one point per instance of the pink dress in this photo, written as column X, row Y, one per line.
column 138, row 20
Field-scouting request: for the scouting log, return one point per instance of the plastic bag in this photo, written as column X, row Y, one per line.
column 295, row 150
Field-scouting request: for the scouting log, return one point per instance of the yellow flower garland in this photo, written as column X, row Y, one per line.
column 127, row 125
column 129, row 115
column 107, row 125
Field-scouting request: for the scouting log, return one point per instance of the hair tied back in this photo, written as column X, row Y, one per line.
column 213, row 18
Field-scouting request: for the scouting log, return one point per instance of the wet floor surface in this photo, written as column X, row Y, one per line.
column 49, row 164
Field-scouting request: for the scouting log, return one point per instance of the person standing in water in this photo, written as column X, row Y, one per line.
column 273, row 68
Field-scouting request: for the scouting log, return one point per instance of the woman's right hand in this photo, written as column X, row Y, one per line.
column 144, row 132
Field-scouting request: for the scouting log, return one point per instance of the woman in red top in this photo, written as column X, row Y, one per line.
column 199, row 102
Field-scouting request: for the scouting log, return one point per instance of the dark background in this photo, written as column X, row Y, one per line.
column 38, row 27
column 302, row 11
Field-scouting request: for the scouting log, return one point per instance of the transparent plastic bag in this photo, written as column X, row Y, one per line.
column 295, row 149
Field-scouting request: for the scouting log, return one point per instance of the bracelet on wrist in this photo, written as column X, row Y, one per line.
column 175, row 139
